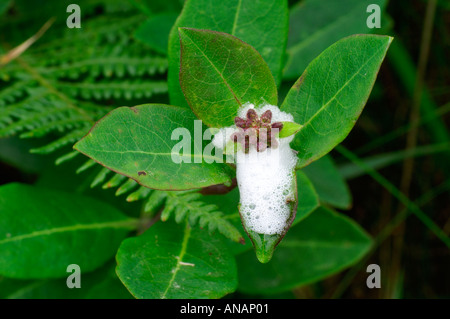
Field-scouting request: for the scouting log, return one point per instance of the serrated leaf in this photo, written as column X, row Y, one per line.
column 330, row 95
column 314, row 25
column 219, row 73
column 136, row 142
column 262, row 24
column 323, row 244
column 42, row 235
column 175, row 261
column 328, row 182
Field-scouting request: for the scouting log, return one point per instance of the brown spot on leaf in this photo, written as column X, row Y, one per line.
column 142, row 173
column 299, row 82
column 134, row 110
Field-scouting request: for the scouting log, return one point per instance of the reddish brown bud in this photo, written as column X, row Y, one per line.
column 256, row 131
column 239, row 122
column 252, row 115
column 266, row 117
column 277, row 125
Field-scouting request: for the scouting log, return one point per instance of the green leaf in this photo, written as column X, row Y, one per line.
column 308, row 200
column 175, row 261
column 289, row 128
column 15, row 152
column 155, row 31
column 323, row 244
column 42, row 235
column 151, row 7
column 191, row 206
column 330, row 95
column 219, row 73
column 314, row 25
column 262, row 24
column 100, row 284
column 136, row 142
column 328, row 182
column 4, row 4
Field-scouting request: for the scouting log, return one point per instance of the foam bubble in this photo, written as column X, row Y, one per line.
column 265, row 181
column 221, row 138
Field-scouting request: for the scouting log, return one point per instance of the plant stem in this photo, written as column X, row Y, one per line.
column 411, row 140
column 384, row 234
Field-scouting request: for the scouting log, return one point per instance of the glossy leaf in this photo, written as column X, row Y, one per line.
column 329, row 183
column 219, row 73
column 323, row 244
column 308, row 199
column 330, row 95
column 137, row 143
column 262, row 24
column 289, row 128
column 100, row 284
column 155, row 31
column 175, row 261
column 314, row 25
column 49, row 230
column 152, row 7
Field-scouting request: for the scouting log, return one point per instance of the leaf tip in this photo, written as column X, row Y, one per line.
column 182, row 30
column 75, row 146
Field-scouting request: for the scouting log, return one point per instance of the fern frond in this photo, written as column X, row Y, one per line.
column 180, row 205
column 115, row 181
column 119, row 66
column 66, row 157
column 140, row 194
column 189, row 205
column 13, row 92
column 117, row 90
column 126, row 187
column 52, row 86
column 100, row 177
column 88, row 164
column 70, row 138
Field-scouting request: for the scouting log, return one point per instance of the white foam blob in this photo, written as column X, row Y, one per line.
column 265, row 179
column 277, row 114
column 221, row 138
